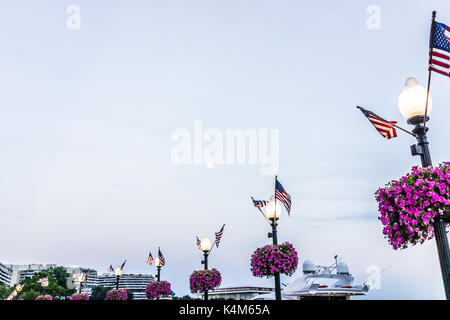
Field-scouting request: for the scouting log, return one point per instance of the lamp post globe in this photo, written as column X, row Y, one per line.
column 273, row 209
column 118, row 272
column 412, row 101
column 205, row 244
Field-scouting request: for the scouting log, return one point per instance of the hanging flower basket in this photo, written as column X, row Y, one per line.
column 271, row 259
column 44, row 297
column 202, row 280
column 157, row 289
column 117, row 294
column 408, row 207
column 79, row 296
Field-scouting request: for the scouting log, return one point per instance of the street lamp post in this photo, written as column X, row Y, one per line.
column 82, row 279
column 158, row 273
column 19, row 288
column 158, row 265
column 411, row 103
column 273, row 212
column 205, row 246
column 118, row 273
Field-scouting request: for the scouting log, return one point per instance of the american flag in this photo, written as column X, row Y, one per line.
column 122, row 265
column 440, row 51
column 110, row 269
column 259, row 203
column 283, row 196
column 219, row 236
column 199, row 243
column 386, row 129
column 162, row 261
column 150, row 259
column 44, row 281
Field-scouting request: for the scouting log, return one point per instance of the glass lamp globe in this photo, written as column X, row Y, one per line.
column 205, row 244
column 412, row 100
column 158, row 262
column 118, row 272
column 273, row 210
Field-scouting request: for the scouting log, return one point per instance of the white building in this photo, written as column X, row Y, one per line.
column 238, row 293
column 136, row 283
column 20, row 272
column 5, row 275
column 11, row 274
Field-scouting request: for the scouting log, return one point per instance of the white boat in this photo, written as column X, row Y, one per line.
column 320, row 283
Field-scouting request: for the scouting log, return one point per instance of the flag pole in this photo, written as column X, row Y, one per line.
column 430, row 61
column 394, row 125
column 212, row 247
column 265, row 217
column 275, row 198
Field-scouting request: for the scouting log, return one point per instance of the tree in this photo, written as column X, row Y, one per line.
column 5, row 291
column 99, row 293
column 130, row 295
column 57, row 284
column 60, row 275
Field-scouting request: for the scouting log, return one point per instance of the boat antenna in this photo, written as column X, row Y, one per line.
column 331, row 268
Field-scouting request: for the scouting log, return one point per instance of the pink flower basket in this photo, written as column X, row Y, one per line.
column 202, row 280
column 79, row 296
column 409, row 206
column 271, row 259
column 117, row 294
column 157, row 289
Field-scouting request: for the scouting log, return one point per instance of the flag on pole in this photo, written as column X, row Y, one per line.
column 43, row 282
column 162, row 261
column 219, row 236
column 283, row 196
column 199, row 243
column 386, row 129
column 110, row 269
column 440, row 50
column 123, row 265
column 150, row 259
column 259, row 203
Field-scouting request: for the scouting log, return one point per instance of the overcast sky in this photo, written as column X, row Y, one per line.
column 86, row 118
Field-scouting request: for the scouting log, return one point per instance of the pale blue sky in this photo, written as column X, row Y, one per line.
column 86, row 118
